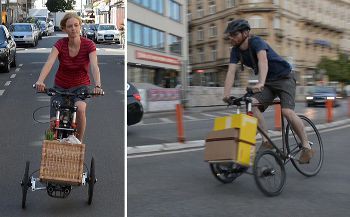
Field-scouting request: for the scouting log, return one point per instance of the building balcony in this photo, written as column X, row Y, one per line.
column 279, row 33
column 260, row 31
column 321, row 25
column 265, row 6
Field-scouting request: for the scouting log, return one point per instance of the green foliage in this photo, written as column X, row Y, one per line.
column 59, row 5
column 337, row 70
column 49, row 134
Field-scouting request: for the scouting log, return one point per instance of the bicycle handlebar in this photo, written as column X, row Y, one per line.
column 245, row 98
column 53, row 91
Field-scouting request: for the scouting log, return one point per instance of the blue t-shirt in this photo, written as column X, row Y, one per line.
column 277, row 66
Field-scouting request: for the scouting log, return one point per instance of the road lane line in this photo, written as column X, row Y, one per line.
column 17, row 69
column 225, row 113
column 166, row 120
column 209, row 115
column 20, row 65
column 190, row 117
column 13, row 76
column 7, row 83
column 2, row 92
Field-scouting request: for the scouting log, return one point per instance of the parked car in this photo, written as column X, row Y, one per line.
column 107, row 33
column 320, row 94
column 89, row 31
column 24, row 34
column 7, row 50
column 134, row 106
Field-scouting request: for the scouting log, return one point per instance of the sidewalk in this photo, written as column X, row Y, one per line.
column 199, row 144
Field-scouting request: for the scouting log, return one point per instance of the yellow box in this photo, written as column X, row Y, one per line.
column 246, row 154
column 247, row 125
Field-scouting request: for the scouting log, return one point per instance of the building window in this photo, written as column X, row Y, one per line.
column 145, row 36
column 276, row 23
column 200, row 34
column 154, row 5
column 212, row 7
column 201, row 57
column 189, row 16
column 230, row 3
column 175, row 11
column 213, row 53
column 175, row 44
column 256, row 22
column 200, row 12
column 212, row 30
column 256, row 1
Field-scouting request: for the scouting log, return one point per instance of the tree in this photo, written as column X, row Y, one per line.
column 337, row 70
column 59, row 5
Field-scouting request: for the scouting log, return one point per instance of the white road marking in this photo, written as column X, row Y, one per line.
column 13, row 76
column 190, row 117
column 224, row 113
column 37, row 62
column 166, row 120
column 2, row 92
column 17, row 69
column 7, row 83
column 43, row 98
column 20, row 65
column 209, row 115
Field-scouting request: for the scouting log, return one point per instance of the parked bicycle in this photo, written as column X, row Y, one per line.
column 65, row 155
column 269, row 165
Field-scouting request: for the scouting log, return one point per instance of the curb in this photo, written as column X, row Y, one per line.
column 167, row 147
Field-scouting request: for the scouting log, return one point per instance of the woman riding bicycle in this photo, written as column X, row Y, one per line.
column 75, row 54
column 275, row 79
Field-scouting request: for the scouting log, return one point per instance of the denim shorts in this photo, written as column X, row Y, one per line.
column 60, row 99
column 284, row 88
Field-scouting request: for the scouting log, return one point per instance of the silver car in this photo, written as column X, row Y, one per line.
column 107, row 33
column 24, row 34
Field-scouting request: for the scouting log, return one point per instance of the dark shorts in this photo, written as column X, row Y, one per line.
column 284, row 88
column 60, row 99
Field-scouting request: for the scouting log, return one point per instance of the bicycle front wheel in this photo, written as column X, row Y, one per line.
column 269, row 173
column 294, row 147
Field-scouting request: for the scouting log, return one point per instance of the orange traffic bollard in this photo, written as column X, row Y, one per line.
column 180, row 128
column 329, row 106
column 278, row 124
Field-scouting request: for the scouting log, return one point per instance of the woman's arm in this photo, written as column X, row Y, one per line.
column 95, row 72
column 46, row 69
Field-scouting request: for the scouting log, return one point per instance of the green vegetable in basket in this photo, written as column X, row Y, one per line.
column 49, row 134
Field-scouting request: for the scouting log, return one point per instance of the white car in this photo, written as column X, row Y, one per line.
column 24, row 33
column 107, row 33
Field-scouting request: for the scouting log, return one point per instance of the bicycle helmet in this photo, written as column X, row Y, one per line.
column 237, row 25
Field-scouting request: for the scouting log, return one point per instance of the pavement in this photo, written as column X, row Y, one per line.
column 149, row 150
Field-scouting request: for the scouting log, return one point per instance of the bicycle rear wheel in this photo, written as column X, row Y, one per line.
column 269, row 173
column 294, row 148
column 25, row 185
column 226, row 172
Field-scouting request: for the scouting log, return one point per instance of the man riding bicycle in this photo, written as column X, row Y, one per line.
column 275, row 78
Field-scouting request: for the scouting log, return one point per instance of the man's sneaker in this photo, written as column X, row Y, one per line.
column 266, row 145
column 306, row 155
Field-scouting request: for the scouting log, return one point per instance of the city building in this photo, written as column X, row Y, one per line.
column 302, row 31
column 157, row 41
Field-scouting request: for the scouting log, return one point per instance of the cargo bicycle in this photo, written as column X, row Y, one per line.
column 62, row 164
column 268, row 167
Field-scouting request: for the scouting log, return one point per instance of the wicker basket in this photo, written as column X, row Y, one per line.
column 62, row 162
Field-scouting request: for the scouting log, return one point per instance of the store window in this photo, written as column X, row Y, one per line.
column 230, row 3
column 200, row 11
column 212, row 7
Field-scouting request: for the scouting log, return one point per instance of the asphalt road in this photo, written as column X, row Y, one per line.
column 181, row 184
column 161, row 127
column 21, row 137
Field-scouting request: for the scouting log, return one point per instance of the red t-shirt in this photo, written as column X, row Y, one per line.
column 73, row 71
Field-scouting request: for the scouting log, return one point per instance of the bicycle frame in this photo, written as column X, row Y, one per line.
column 282, row 153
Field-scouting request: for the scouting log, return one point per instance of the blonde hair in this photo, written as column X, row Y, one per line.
column 66, row 17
